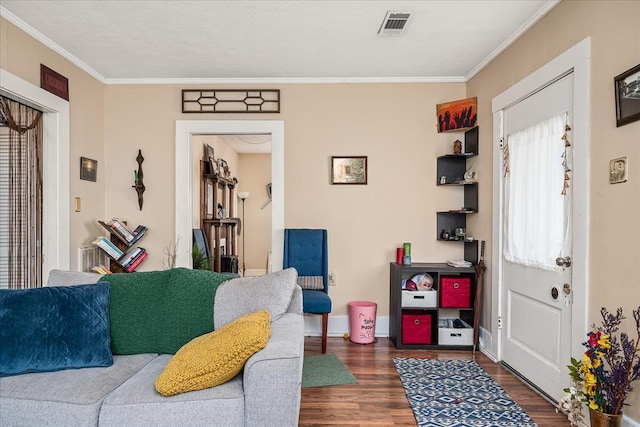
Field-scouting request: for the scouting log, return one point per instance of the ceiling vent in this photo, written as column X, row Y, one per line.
column 394, row 24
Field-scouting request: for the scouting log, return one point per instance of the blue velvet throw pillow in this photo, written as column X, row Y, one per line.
column 54, row 328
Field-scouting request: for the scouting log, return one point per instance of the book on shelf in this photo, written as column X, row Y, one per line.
column 106, row 245
column 121, row 229
column 130, row 256
column 100, row 269
column 136, row 262
column 138, row 233
column 133, row 259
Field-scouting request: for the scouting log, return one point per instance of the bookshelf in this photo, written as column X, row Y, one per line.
column 220, row 226
column 121, row 246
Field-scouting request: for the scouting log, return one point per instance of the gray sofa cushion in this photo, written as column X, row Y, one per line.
column 64, row 398
column 137, row 403
column 273, row 376
column 68, row 278
column 237, row 297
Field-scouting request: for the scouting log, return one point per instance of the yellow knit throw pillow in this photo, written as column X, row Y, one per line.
column 215, row 358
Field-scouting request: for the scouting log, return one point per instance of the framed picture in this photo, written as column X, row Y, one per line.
column 627, row 90
column 457, row 115
column 209, row 156
column 209, row 212
column 618, row 170
column 349, row 170
column 88, row 169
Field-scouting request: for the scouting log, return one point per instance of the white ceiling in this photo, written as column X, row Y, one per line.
column 248, row 143
column 263, row 41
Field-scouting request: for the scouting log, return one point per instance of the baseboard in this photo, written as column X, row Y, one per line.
column 486, row 344
column 339, row 325
column 628, row 422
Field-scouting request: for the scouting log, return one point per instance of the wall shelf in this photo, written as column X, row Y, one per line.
column 450, row 171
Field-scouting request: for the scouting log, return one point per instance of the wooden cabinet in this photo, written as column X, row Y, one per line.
column 450, row 171
column 435, row 325
column 218, row 218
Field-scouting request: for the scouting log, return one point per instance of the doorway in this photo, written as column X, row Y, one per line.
column 248, row 157
column 55, row 192
column 185, row 129
column 509, row 311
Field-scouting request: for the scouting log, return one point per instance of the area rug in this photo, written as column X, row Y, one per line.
column 324, row 370
column 457, row 393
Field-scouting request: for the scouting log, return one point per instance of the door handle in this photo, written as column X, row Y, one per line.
column 563, row 261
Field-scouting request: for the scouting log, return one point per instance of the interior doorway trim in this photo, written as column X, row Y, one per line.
column 55, row 192
column 576, row 59
column 184, row 182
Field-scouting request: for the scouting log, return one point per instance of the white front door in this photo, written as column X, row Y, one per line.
column 536, row 311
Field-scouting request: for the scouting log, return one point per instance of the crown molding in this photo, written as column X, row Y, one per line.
column 512, row 39
column 4, row 13
column 284, row 80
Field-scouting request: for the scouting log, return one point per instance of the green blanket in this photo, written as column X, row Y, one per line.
column 160, row 311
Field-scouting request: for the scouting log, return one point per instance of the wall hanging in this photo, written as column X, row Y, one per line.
column 627, row 90
column 230, row 101
column 457, row 115
column 138, row 183
column 349, row 170
column 88, row 169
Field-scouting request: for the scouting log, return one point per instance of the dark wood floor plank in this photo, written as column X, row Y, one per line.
column 379, row 399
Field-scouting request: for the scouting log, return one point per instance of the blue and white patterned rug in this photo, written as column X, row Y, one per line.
column 457, row 393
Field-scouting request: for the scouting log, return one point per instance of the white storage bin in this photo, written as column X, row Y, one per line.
column 420, row 299
column 448, row 335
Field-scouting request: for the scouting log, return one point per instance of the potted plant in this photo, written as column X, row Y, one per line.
column 602, row 378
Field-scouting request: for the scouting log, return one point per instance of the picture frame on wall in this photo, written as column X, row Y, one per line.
column 209, row 157
column 618, row 170
column 209, row 212
column 457, row 115
column 627, row 94
column 88, row 169
column 350, row 170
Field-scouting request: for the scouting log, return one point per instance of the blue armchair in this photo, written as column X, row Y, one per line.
column 306, row 250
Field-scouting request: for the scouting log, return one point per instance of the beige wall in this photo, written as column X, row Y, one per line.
column 21, row 55
column 392, row 124
column 614, row 235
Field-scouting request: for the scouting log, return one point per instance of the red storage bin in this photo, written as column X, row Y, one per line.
column 416, row 327
column 455, row 292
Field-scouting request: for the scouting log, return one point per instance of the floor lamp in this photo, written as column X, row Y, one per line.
column 243, row 195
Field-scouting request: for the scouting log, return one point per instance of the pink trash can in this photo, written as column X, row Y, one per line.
column 362, row 321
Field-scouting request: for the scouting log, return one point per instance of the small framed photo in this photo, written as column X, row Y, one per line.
column 618, row 170
column 209, row 156
column 88, row 169
column 627, row 90
column 210, row 189
column 349, row 170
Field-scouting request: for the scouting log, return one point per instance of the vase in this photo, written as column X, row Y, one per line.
column 600, row 419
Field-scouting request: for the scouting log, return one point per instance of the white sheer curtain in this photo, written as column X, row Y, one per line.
column 535, row 211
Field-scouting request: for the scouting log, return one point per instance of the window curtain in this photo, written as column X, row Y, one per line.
column 21, row 195
column 535, row 213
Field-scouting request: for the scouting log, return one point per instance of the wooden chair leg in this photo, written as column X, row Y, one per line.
column 325, row 322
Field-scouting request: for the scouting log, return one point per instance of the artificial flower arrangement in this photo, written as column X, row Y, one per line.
column 602, row 378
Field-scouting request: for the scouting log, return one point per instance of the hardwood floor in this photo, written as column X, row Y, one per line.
column 379, row 399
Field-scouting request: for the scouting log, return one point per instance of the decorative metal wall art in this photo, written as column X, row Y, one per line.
column 138, row 183
column 230, row 101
